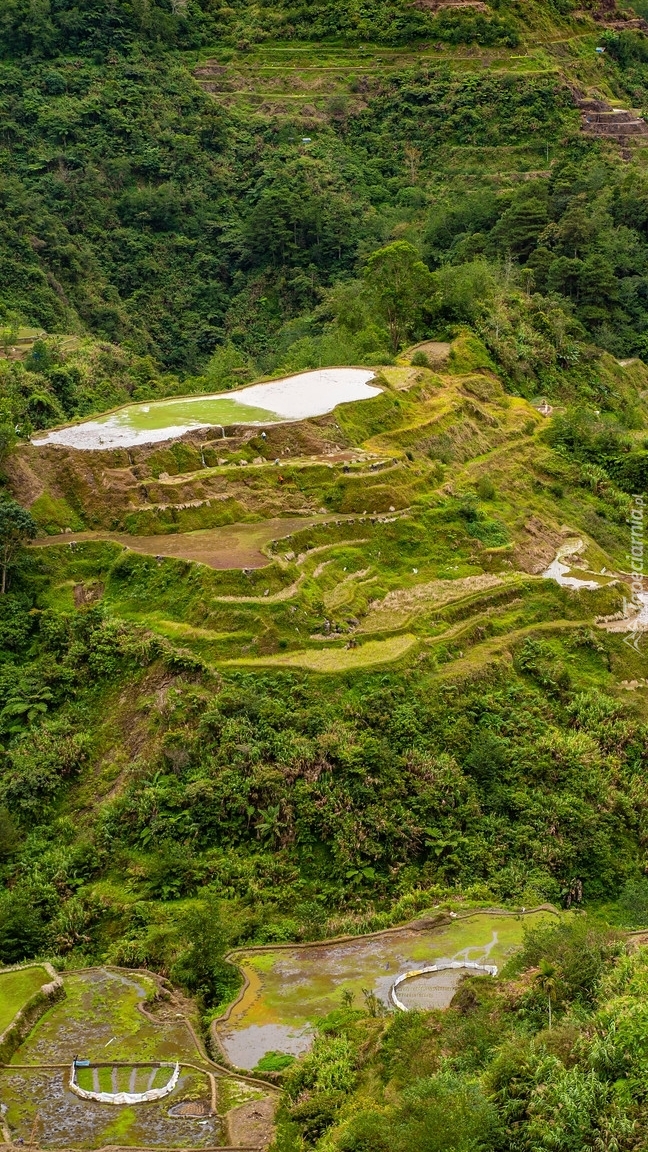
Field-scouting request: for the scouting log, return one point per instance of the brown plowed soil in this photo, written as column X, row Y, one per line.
column 539, row 548
column 252, row 1123
column 232, row 546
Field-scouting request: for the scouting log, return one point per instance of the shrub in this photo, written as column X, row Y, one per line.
column 633, row 903
column 486, row 488
column 420, row 359
column 275, row 1062
column 317, row 1113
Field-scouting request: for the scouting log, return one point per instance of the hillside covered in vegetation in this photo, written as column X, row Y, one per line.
column 183, row 178
column 320, row 678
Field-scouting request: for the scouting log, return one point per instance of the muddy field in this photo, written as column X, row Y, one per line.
column 289, row 988
column 41, row 1105
column 233, row 546
column 101, row 1019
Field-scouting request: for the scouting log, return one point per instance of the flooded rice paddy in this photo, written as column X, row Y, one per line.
column 635, row 616
column 561, row 572
column 294, row 398
column 289, row 988
column 40, row 1103
column 99, row 1020
column 431, row 990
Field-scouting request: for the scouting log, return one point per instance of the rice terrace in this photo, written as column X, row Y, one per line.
column 323, row 603
column 288, row 989
column 108, row 1054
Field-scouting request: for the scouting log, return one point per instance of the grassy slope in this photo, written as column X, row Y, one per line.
column 16, row 989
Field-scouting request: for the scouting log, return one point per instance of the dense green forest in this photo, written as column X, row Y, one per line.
column 195, row 757
column 137, row 207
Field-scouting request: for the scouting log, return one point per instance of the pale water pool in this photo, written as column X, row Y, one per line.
column 293, row 398
column 560, row 572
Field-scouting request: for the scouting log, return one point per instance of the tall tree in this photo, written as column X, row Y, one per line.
column 400, row 284
column 16, row 527
column 200, row 966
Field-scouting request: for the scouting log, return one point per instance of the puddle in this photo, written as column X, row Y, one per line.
column 294, row 398
column 434, row 990
column 120, row 978
column 290, row 988
column 559, row 571
column 465, row 953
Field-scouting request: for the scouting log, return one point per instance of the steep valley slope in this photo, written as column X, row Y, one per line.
column 261, row 687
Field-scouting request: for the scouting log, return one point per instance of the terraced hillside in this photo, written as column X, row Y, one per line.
column 415, row 691
column 277, row 680
column 418, row 529
column 286, row 149
column 387, row 544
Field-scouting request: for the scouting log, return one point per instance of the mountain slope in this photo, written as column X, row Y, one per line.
column 141, row 208
column 277, row 684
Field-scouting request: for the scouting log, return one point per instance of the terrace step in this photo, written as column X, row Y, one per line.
column 601, row 119
column 614, row 116
column 616, row 131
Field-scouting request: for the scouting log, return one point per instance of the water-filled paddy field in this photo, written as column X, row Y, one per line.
column 40, row 1101
column 561, row 567
column 432, row 990
column 290, row 987
column 294, row 398
column 99, row 1020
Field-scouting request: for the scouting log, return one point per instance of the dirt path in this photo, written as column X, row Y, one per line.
column 252, row 1123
